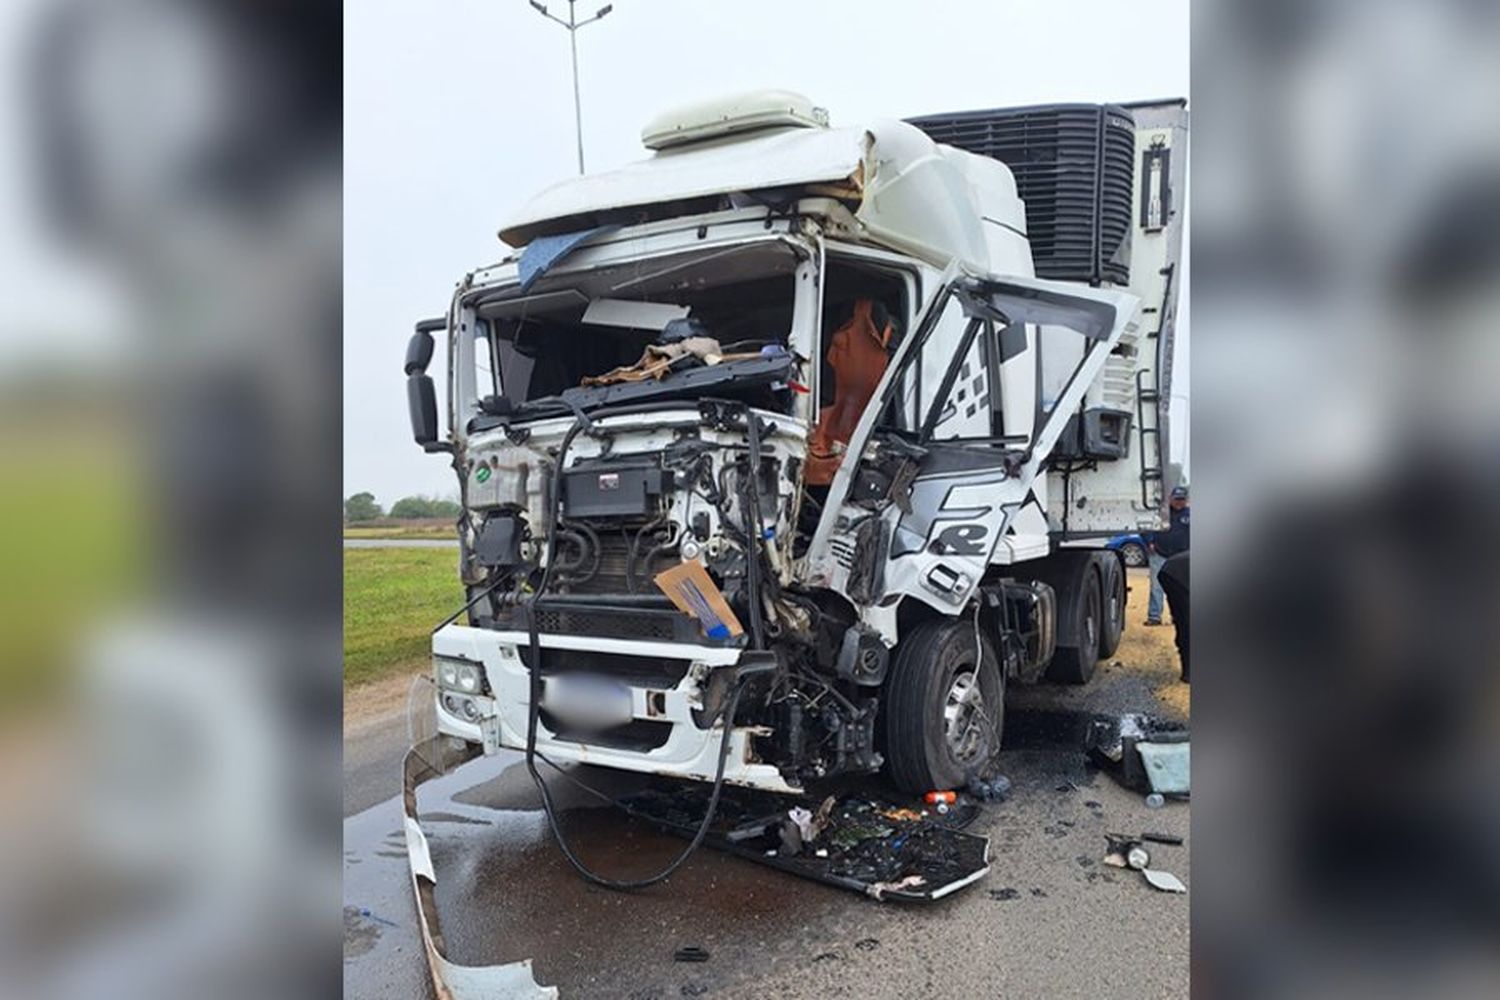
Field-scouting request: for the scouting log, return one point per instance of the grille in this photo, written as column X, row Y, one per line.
column 1074, row 166
column 633, row 624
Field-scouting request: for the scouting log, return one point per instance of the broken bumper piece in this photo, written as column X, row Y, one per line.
column 659, row 731
column 875, row 848
column 514, row 980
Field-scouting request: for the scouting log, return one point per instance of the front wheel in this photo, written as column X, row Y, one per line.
column 943, row 711
column 1134, row 554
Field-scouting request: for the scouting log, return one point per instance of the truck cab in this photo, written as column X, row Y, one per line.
column 777, row 458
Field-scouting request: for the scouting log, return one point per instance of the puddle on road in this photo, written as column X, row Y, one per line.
column 505, row 892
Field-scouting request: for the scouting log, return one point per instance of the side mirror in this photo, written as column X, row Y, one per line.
column 421, row 401
column 418, row 352
column 421, row 396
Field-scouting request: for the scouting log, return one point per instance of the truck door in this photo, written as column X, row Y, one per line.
column 932, row 480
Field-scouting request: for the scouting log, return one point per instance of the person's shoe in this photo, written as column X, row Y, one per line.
column 1153, row 621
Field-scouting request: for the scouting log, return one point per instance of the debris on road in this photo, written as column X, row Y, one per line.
column 1167, row 764
column 1129, row 852
column 690, row 953
column 1142, row 753
column 428, row 759
column 993, row 789
column 1165, row 881
column 884, row 850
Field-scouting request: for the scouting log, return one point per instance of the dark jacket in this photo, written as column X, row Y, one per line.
column 1174, row 539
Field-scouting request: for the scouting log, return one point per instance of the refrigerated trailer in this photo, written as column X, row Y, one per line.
column 784, row 451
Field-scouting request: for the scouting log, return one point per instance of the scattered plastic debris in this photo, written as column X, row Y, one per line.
column 946, row 797
column 804, row 820
column 377, row 918
column 1141, row 753
column 879, row 889
column 1128, row 852
column 1168, row 765
column 1155, row 801
column 994, row 789
column 882, row 849
column 902, row 815
column 1165, row 881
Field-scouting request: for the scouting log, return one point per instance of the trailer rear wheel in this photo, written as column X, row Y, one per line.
column 1112, row 629
column 1074, row 664
column 943, row 711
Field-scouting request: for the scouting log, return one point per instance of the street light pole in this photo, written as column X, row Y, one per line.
column 573, row 24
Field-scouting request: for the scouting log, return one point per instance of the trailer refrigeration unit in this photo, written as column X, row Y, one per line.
column 783, row 451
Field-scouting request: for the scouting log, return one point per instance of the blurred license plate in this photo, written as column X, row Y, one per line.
column 588, row 701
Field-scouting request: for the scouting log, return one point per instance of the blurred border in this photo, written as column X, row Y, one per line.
column 1346, row 211
column 170, row 476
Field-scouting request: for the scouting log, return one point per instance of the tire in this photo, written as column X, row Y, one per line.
column 927, row 701
column 1112, row 593
column 1075, row 664
column 1133, row 553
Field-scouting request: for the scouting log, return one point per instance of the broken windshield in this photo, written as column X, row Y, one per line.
column 707, row 323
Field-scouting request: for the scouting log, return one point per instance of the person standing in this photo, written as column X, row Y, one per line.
column 1160, row 545
column 1174, row 580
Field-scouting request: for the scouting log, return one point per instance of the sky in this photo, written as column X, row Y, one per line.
column 457, row 111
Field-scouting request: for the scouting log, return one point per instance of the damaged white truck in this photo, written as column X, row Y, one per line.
column 784, row 451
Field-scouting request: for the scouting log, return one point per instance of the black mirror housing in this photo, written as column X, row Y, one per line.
column 418, row 353
column 421, row 401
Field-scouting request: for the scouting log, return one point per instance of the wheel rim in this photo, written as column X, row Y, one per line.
column 1091, row 626
column 964, row 716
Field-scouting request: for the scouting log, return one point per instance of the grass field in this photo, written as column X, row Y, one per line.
column 392, row 600
column 391, row 528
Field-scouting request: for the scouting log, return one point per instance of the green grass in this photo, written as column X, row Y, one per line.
column 392, row 600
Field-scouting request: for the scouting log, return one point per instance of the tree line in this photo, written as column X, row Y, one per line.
column 363, row 507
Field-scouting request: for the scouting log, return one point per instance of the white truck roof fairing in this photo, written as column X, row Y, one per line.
column 906, row 192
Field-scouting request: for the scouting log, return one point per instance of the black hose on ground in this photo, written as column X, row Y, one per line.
column 534, row 710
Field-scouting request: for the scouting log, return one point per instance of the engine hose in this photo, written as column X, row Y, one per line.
column 753, row 531
column 534, row 707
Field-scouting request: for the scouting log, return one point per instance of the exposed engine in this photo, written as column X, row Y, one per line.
column 645, row 492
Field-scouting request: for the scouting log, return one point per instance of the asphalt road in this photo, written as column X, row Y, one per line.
column 1049, row 920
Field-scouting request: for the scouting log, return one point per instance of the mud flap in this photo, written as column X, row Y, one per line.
column 875, row 848
column 432, row 758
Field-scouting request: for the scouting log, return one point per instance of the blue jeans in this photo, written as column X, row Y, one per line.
column 1157, row 599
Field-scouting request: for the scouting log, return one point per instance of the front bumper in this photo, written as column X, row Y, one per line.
column 667, row 706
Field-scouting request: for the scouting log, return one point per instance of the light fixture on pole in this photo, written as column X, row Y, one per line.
column 573, row 24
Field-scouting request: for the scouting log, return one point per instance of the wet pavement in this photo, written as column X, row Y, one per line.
column 1050, row 919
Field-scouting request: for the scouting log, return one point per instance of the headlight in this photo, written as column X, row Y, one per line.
column 460, row 675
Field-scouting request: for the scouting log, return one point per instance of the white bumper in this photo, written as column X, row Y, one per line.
column 687, row 752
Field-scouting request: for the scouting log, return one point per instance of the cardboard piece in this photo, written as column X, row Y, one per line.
column 695, row 593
